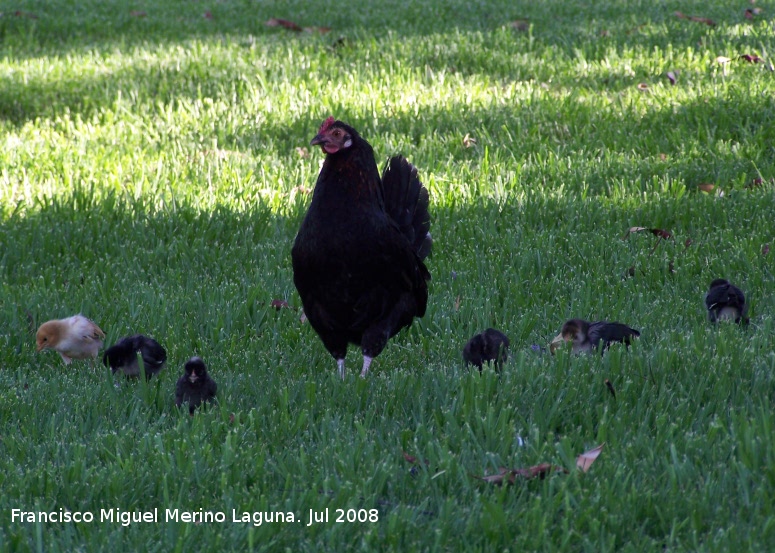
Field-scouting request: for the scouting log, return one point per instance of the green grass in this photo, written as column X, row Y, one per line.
column 153, row 173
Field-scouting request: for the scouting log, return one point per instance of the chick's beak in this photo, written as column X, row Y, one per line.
column 556, row 343
column 40, row 346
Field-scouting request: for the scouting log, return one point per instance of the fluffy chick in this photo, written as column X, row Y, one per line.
column 195, row 386
column 490, row 345
column 726, row 302
column 122, row 356
column 586, row 336
column 75, row 337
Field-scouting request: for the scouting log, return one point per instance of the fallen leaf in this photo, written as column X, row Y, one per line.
column 688, row 243
column 723, row 59
column 301, row 189
column 706, row 187
column 468, row 141
column 302, row 152
column 663, row 156
column 643, row 86
column 671, row 76
column 585, row 460
column 457, row 303
column 655, row 231
column 413, row 460
column 290, row 25
column 279, row 304
column 521, row 25
column 30, row 322
column 138, row 14
column 749, row 13
column 302, row 317
column 610, row 387
column 705, row 20
column 751, row 58
column 765, row 249
column 509, row 476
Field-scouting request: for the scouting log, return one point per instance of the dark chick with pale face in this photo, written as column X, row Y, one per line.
column 726, row 302
column 587, row 337
column 195, row 387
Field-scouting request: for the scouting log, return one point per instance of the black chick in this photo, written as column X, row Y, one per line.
column 726, row 301
column 587, row 336
column 490, row 345
column 122, row 356
column 195, row 386
column 358, row 256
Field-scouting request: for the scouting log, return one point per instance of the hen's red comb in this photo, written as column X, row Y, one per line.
column 327, row 123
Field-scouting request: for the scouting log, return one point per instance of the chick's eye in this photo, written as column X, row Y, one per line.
column 45, row 339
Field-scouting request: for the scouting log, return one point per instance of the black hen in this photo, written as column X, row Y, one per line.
column 195, row 386
column 490, row 345
column 587, row 337
column 726, row 301
column 358, row 256
column 122, row 356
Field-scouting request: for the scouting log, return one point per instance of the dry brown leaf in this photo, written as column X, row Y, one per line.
column 655, row 231
column 302, row 316
column 610, row 387
column 279, row 304
column 643, row 86
column 706, row 187
column 585, row 460
column 520, row 25
column 457, row 303
column 284, row 23
column 751, row 58
column 688, row 243
column 301, row 189
column 302, row 152
column 468, row 140
column 765, row 249
column 509, row 476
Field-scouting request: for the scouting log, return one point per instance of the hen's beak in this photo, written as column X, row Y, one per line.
column 556, row 343
column 319, row 139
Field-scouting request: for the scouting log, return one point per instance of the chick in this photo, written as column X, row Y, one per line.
column 122, row 356
column 490, row 345
column 195, row 386
column 75, row 337
column 587, row 336
column 726, row 302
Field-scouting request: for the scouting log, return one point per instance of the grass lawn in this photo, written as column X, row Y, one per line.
column 155, row 166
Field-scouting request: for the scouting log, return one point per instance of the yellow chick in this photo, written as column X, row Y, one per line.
column 75, row 337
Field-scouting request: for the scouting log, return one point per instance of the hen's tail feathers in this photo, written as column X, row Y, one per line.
column 406, row 202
